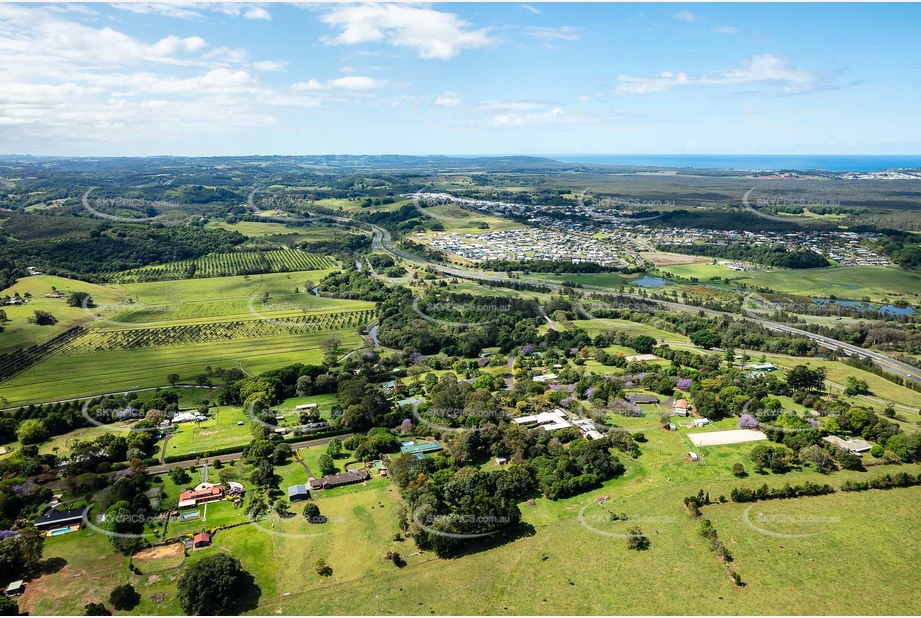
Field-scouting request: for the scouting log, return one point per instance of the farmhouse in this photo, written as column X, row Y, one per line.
column 854, row 446
column 550, row 421
column 681, row 407
column 296, row 493
column 637, row 398
column 185, row 417
column 418, row 449
column 201, row 540
column 198, row 496
column 339, row 480
column 53, row 519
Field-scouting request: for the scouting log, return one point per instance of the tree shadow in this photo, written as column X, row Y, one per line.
column 248, row 596
column 52, row 565
column 503, row 537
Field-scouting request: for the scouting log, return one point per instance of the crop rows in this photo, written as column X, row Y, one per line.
column 20, row 360
column 104, row 341
column 228, row 264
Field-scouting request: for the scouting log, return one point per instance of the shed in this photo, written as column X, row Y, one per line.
column 201, row 540
column 296, row 493
column 501, row 461
column 692, row 455
column 15, row 588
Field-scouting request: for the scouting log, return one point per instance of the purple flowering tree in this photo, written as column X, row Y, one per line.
column 747, row 421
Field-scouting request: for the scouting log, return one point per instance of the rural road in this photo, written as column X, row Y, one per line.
column 382, row 241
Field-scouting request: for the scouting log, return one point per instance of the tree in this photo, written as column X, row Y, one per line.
column 211, row 585
column 96, row 609
column 8, row 606
column 311, row 513
column 32, row 431
column 281, row 507
column 43, row 318
column 323, row 569
column 80, row 299
column 706, row 338
column 172, row 379
column 32, row 544
column 636, row 540
column 124, row 597
column 738, row 470
column 179, row 476
column 643, row 344
column 330, row 347
column 802, row 378
column 327, row 465
column 334, row 448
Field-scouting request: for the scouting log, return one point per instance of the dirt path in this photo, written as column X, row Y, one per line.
column 300, row 460
column 509, row 372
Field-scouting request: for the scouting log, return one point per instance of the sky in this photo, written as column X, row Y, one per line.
column 202, row 79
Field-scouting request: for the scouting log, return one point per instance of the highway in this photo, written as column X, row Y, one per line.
column 383, row 242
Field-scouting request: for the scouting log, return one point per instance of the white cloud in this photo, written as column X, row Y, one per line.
column 726, row 30
column 257, row 13
column 687, row 16
column 519, row 120
column 271, row 65
column 448, row 99
column 351, row 82
column 762, row 69
column 433, row 34
column 528, row 7
column 562, row 33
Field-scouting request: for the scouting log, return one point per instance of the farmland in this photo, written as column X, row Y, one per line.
column 228, row 264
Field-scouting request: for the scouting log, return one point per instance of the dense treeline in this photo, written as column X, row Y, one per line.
column 902, row 248
column 768, row 255
column 88, row 252
column 545, row 266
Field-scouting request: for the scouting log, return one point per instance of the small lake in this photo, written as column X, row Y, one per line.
column 862, row 306
column 650, row 282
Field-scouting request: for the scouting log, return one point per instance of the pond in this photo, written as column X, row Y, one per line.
column 650, row 282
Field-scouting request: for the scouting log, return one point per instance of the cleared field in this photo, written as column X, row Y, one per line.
column 869, row 528
column 90, row 373
column 217, row 432
column 672, row 259
column 18, row 333
column 220, row 288
column 227, row 264
column 856, row 282
column 461, row 220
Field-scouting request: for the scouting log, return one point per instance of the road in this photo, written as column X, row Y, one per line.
column 382, row 241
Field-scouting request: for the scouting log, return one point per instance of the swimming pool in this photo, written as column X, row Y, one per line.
column 60, row 531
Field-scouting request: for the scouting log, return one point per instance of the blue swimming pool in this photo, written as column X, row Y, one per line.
column 60, row 531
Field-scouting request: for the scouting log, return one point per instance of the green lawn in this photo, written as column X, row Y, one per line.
column 219, row 431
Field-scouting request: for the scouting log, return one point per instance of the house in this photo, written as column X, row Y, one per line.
column 235, row 490
column 501, row 461
column 296, row 493
column 681, row 407
column 544, row 378
column 420, row 448
column 201, row 540
column 854, row 446
column 638, row 398
column 197, row 496
column 594, row 434
column 185, row 417
column 339, row 480
column 54, row 519
column 306, row 406
column 15, row 588
column 550, row 421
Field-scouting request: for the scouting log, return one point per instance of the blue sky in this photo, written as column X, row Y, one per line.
column 453, row 78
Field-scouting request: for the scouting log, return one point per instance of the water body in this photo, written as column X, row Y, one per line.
column 830, row 163
column 861, row 306
column 650, row 282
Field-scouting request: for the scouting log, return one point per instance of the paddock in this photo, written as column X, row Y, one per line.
column 730, row 436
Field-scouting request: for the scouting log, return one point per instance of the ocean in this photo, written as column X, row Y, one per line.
column 830, row 163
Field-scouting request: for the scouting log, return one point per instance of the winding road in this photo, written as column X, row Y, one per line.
column 382, row 241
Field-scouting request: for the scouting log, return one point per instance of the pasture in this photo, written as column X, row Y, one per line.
column 91, row 373
column 854, row 282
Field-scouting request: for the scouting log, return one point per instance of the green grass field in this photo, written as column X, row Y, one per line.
column 18, row 333
column 78, row 375
column 855, row 282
